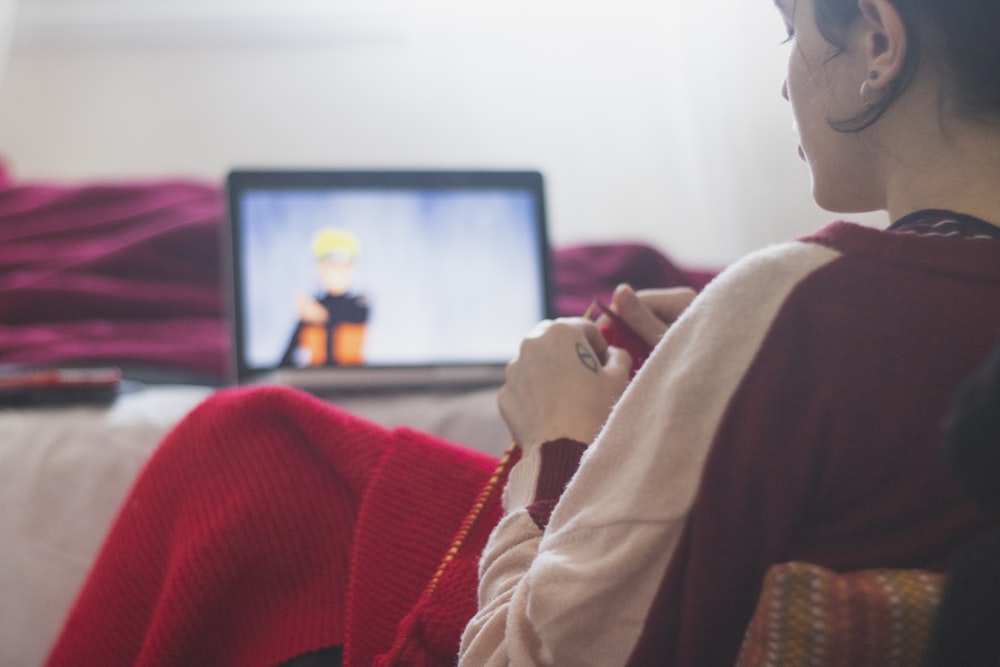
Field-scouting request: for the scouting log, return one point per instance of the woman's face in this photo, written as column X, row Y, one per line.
column 823, row 85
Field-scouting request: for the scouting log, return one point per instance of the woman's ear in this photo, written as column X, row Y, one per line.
column 884, row 42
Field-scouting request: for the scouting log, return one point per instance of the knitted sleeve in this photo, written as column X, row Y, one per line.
column 578, row 593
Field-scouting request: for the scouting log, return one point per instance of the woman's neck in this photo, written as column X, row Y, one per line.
column 957, row 169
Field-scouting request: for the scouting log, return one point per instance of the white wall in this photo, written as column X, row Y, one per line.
column 654, row 120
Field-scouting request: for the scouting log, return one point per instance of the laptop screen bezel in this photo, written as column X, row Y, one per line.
column 241, row 181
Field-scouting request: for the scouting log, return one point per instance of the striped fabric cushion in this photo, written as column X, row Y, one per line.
column 809, row 615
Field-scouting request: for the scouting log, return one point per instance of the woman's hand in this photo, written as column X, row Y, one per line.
column 649, row 313
column 563, row 383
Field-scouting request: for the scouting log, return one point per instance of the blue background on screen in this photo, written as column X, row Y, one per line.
column 451, row 276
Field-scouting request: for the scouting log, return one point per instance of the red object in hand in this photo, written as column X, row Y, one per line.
column 619, row 334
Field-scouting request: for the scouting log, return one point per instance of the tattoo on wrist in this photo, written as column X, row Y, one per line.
column 587, row 358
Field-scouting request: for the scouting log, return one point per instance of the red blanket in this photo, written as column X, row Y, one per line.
column 269, row 524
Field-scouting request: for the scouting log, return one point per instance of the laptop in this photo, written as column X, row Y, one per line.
column 343, row 280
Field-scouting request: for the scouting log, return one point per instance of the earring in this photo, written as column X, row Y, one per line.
column 865, row 102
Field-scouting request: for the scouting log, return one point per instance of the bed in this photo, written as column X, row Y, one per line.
column 126, row 273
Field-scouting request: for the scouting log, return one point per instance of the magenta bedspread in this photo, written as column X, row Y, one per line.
column 129, row 274
column 116, row 273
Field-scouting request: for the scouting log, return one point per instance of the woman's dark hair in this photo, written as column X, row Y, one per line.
column 965, row 34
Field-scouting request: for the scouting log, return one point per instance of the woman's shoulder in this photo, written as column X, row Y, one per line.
column 867, row 252
column 729, row 320
column 775, row 268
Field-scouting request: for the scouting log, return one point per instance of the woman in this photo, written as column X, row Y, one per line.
column 793, row 411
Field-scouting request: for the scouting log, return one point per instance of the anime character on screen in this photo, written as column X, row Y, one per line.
column 331, row 327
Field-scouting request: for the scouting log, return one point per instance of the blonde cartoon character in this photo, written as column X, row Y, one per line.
column 332, row 324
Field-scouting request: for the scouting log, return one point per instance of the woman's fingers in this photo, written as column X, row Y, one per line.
column 649, row 313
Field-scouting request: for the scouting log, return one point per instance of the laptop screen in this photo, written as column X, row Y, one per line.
column 354, row 270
